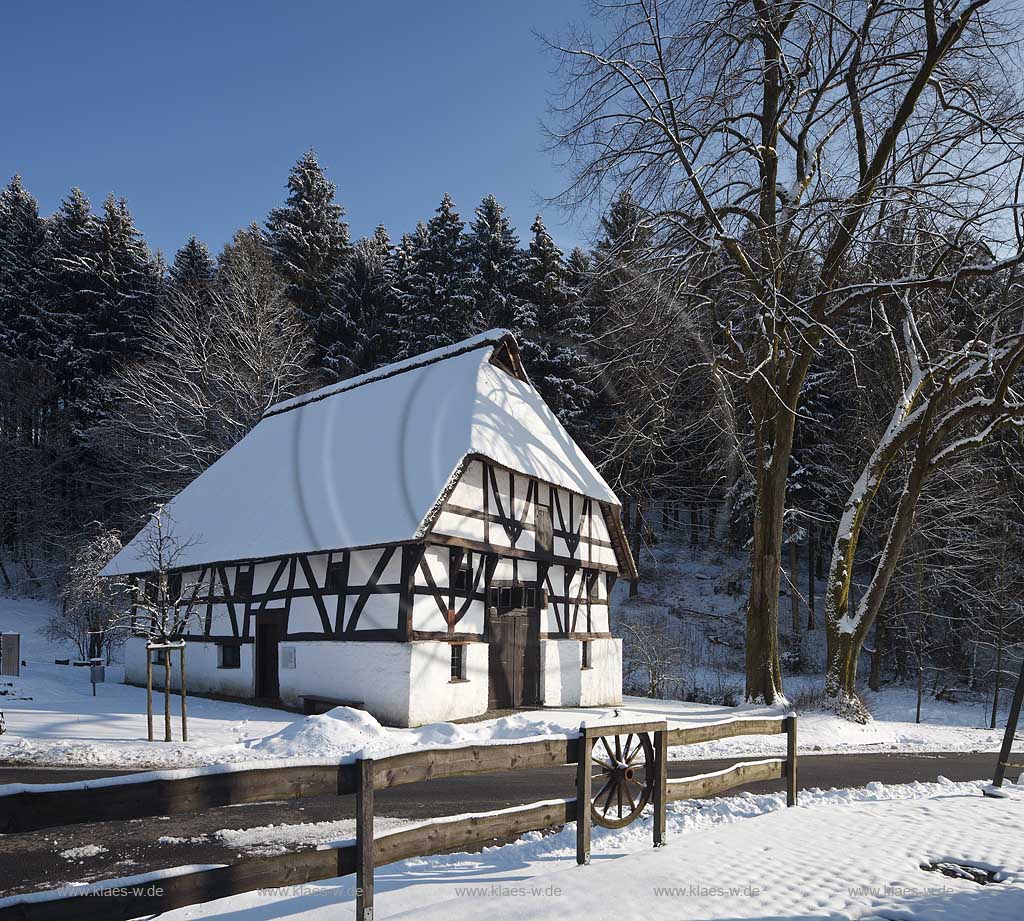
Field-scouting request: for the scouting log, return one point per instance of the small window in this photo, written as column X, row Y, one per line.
column 174, row 586
column 336, row 579
column 462, row 579
column 586, row 654
column 506, row 599
column 243, row 584
column 230, row 656
column 158, row 656
column 531, row 598
column 458, row 662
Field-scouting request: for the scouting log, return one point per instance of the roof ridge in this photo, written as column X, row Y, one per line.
column 491, row 337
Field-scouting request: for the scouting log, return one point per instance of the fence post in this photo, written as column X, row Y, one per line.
column 364, row 839
column 660, row 785
column 791, row 792
column 583, row 790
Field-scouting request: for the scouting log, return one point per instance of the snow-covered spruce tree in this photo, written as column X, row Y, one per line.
column 560, row 366
column 25, row 323
column 193, row 270
column 129, row 282
column 29, row 398
column 71, row 265
column 310, row 241
column 436, row 301
column 369, row 296
column 739, row 138
column 500, row 282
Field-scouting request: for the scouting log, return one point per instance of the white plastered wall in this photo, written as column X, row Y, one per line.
column 202, row 674
column 401, row 684
column 564, row 683
column 375, row 673
column 434, row 696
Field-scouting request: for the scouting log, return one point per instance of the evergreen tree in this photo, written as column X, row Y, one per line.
column 369, row 300
column 436, row 305
column 25, row 324
column 128, row 283
column 311, row 244
column 625, row 232
column 557, row 364
column 71, row 268
column 498, row 262
column 193, row 270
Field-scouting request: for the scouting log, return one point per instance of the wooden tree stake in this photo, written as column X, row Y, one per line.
column 149, row 691
column 184, row 716
column 364, row 840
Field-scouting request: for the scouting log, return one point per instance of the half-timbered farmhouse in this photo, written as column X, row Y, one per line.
column 425, row 540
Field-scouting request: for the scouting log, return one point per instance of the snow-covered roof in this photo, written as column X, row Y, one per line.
column 365, row 461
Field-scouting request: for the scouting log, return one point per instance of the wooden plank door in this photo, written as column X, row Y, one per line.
column 269, row 633
column 514, row 660
column 501, row 637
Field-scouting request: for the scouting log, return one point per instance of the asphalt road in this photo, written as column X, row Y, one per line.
column 33, row 861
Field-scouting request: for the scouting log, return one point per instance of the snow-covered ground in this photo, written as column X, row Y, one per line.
column 843, row 854
column 52, row 718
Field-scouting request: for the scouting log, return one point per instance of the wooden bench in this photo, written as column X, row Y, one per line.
column 312, row 705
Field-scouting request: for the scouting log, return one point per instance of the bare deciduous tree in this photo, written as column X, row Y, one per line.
column 954, row 401
column 214, row 362
column 163, row 610
column 91, row 608
column 769, row 142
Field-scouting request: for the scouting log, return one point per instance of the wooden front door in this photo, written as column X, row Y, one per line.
column 270, row 628
column 514, row 659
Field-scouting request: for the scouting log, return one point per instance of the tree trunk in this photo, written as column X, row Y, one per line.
column 875, row 675
column 811, row 554
column 794, row 595
column 763, row 668
column 694, row 527
column 999, row 679
column 636, row 538
column 845, row 634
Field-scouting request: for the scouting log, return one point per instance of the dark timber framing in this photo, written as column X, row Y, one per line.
column 339, row 602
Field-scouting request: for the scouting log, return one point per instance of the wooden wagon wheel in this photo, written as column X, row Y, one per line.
column 622, row 773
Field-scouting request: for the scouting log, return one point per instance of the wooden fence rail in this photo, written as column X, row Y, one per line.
column 33, row 807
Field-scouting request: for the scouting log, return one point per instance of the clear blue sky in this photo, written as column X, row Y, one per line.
column 194, row 111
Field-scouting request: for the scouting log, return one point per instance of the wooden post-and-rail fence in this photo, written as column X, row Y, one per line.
column 32, row 807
